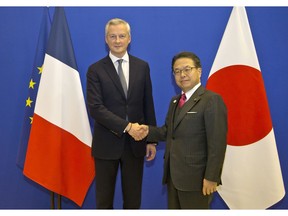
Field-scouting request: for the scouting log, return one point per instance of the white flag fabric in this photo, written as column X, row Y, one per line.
column 251, row 176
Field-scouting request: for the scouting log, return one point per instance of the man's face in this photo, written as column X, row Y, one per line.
column 118, row 39
column 187, row 75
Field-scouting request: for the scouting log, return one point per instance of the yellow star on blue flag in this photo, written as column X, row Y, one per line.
column 33, row 87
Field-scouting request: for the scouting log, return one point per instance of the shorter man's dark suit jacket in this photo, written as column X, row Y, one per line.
column 195, row 140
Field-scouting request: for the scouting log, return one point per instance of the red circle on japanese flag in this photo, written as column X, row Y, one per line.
column 243, row 92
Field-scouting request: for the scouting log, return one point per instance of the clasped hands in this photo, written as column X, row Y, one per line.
column 138, row 132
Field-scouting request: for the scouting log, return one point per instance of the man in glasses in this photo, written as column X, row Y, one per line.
column 195, row 132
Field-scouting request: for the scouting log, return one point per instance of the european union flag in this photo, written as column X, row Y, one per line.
column 33, row 86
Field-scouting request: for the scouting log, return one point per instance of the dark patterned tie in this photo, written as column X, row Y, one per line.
column 122, row 77
column 182, row 100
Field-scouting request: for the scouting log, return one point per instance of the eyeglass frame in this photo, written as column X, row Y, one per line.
column 187, row 70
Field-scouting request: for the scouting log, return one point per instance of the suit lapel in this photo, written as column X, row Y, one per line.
column 112, row 73
column 194, row 99
column 132, row 75
column 132, row 67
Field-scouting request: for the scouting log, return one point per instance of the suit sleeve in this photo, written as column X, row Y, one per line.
column 216, row 130
column 149, row 111
column 157, row 134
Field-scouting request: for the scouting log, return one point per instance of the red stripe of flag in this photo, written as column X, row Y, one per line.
column 60, row 156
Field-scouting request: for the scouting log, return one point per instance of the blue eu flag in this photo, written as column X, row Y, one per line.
column 33, row 86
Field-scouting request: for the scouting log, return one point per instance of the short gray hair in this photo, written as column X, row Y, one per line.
column 117, row 21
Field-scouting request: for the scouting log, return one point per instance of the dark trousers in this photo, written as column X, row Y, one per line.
column 131, row 178
column 186, row 199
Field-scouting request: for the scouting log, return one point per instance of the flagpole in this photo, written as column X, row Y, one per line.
column 52, row 200
column 52, row 206
column 59, row 201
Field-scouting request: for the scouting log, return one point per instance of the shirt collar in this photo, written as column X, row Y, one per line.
column 191, row 91
column 115, row 59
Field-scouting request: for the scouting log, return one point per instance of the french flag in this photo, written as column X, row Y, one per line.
column 251, row 177
column 59, row 149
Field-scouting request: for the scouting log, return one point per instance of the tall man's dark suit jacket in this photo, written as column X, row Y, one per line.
column 109, row 107
column 195, row 140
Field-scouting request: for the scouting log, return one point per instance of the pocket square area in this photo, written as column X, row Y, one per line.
column 191, row 112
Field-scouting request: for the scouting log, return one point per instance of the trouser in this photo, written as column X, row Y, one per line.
column 131, row 178
column 186, row 199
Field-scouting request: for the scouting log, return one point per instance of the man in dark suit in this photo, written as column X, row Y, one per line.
column 119, row 96
column 195, row 133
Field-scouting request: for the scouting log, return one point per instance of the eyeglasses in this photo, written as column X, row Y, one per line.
column 114, row 37
column 187, row 70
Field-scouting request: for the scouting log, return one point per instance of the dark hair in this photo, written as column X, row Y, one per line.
column 190, row 55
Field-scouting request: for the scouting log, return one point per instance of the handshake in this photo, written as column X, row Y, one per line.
column 138, row 132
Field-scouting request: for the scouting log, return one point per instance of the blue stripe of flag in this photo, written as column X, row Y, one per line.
column 60, row 43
